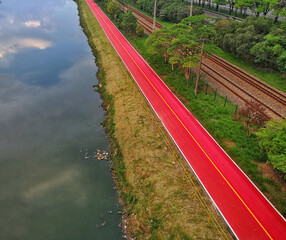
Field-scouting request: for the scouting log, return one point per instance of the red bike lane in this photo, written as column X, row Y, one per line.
column 247, row 212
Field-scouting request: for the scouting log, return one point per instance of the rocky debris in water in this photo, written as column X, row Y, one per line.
column 101, row 225
column 86, row 155
column 101, row 155
column 103, row 222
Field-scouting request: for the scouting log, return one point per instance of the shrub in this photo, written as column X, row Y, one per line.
column 139, row 31
column 281, row 62
column 273, row 142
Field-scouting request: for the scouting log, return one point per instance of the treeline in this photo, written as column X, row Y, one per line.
column 124, row 20
column 256, row 40
column 167, row 10
column 176, row 10
column 258, row 7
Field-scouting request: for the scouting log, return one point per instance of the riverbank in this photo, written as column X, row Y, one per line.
column 158, row 199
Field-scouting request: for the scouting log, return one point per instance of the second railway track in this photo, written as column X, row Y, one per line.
column 274, row 93
column 273, row 100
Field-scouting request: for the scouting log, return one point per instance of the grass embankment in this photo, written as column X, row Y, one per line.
column 218, row 119
column 161, row 203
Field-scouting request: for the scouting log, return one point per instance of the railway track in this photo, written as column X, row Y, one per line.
column 278, row 96
column 144, row 20
column 220, row 15
column 271, row 99
column 246, row 87
column 237, row 90
column 146, row 26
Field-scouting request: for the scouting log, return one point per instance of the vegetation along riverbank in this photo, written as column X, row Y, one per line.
column 152, row 180
column 154, row 183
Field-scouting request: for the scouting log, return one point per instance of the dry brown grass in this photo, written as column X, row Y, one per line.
column 166, row 205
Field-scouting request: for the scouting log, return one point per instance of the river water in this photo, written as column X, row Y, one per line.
column 51, row 187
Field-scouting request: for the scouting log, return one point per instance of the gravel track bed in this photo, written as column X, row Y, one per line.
column 256, row 93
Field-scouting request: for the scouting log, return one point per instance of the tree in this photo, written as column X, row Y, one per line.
column 175, row 59
column 128, row 22
column 242, row 5
column 226, row 30
column 265, row 6
column 240, row 37
column 281, row 62
column 279, row 7
column 168, row 10
column 180, row 43
column 139, row 31
column 268, row 51
column 231, row 6
column 283, row 25
column 272, row 140
column 253, row 113
column 219, row 2
column 173, row 11
column 256, row 6
column 198, row 21
column 114, row 10
column 185, row 51
column 159, row 42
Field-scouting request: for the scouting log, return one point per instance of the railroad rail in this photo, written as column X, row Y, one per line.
column 236, row 92
column 255, row 83
column 270, row 92
column 145, row 26
column 278, row 96
column 142, row 15
column 220, row 15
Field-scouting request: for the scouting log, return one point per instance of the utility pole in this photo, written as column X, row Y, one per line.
column 154, row 19
column 199, row 71
column 191, row 8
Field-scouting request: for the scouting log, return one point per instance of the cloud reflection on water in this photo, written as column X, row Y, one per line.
column 32, row 115
column 14, row 45
column 32, row 24
column 40, row 190
column 49, row 117
column 41, row 26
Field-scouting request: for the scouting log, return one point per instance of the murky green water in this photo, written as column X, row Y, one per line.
column 50, row 185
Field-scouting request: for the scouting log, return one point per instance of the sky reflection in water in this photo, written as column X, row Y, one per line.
column 49, row 118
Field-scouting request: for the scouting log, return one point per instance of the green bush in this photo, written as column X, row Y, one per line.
column 139, row 31
column 128, row 22
column 281, row 62
column 273, row 137
column 255, row 39
column 273, row 142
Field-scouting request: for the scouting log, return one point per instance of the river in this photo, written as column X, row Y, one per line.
column 51, row 185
